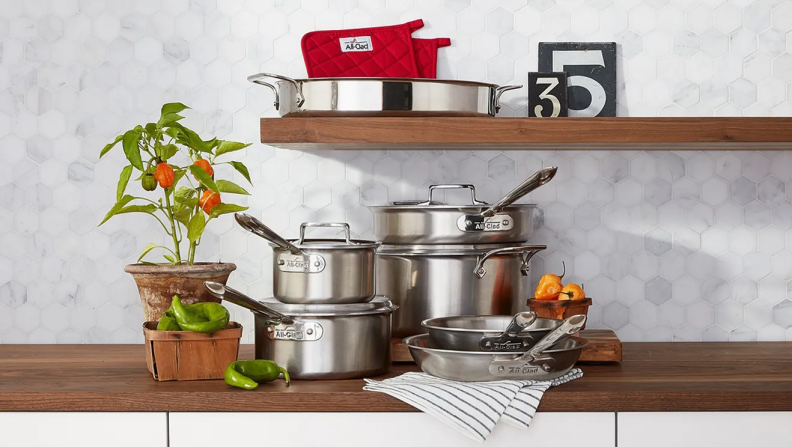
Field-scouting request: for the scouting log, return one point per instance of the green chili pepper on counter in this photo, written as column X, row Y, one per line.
column 199, row 317
column 247, row 374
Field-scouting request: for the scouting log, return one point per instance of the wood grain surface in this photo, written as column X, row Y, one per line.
column 741, row 133
column 652, row 377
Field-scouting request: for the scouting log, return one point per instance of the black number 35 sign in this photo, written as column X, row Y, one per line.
column 591, row 75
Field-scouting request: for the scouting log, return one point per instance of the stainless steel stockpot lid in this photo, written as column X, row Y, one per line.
column 379, row 305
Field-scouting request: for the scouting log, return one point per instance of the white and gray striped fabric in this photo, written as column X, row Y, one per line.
column 473, row 408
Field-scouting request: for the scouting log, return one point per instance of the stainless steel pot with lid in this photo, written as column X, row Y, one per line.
column 320, row 341
column 318, row 271
column 328, row 341
column 381, row 96
column 440, row 281
column 430, row 222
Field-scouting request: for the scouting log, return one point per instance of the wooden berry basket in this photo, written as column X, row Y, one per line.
column 184, row 355
column 559, row 309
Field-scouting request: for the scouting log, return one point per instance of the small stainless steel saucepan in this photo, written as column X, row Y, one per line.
column 548, row 359
column 491, row 333
column 318, row 271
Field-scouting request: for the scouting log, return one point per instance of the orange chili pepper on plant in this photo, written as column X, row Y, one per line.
column 572, row 292
column 204, row 164
column 209, row 200
column 164, row 175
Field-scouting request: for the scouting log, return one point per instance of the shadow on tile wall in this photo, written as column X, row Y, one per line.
column 672, row 246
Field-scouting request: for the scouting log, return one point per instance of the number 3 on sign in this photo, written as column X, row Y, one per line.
column 547, row 90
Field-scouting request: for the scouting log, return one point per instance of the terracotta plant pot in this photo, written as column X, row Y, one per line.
column 158, row 283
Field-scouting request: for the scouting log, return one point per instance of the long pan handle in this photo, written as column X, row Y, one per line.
column 539, row 178
column 570, row 326
column 240, row 299
column 258, row 228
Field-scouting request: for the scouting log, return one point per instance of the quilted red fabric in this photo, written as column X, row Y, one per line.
column 385, row 51
column 426, row 55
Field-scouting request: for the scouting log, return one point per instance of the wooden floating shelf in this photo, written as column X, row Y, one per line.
column 427, row 133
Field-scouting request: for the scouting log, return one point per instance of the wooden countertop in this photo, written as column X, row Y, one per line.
column 652, row 377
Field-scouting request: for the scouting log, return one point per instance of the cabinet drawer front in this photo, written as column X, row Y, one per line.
column 84, row 429
column 701, row 429
column 373, row 429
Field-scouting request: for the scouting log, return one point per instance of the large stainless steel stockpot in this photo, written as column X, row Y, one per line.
column 318, row 271
column 430, row 222
column 328, row 342
column 440, row 281
column 382, row 96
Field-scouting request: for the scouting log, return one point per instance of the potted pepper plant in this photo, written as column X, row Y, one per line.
column 175, row 166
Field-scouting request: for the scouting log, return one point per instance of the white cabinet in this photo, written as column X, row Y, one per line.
column 84, row 429
column 377, row 429
column 704, row 429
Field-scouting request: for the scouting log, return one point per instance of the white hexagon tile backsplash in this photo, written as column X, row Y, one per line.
column 672, row 246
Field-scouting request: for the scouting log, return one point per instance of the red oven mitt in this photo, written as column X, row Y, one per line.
column 385, row 51
column 426, row 55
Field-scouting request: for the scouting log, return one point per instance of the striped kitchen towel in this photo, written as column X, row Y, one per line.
column 471, row 407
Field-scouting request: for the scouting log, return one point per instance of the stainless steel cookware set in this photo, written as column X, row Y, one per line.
column 474, row 349
column 381, row 96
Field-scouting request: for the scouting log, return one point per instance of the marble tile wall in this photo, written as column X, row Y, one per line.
column 672, row 246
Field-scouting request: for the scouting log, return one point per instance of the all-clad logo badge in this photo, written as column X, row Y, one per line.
column 353, row 44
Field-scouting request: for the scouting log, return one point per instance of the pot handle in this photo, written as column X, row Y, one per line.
column 510, row 339
column 343, row 225
column 528, row 250
column 226, row 293
column 473, row 200
column 532, row 360
column 536, row 180
column 257, row 79
column 499, row 91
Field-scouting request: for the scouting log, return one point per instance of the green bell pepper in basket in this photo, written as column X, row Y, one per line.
column 199, row 317
column 247, row 374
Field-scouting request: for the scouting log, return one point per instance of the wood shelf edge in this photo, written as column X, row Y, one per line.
column 317, row 133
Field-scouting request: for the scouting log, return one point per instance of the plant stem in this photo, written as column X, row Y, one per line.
column 169, row 213
column 191, row 254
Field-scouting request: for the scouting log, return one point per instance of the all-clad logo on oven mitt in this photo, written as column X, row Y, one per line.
column 353, row 44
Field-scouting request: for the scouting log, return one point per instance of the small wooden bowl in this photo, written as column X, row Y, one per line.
column 185, row 355
column 559, row 310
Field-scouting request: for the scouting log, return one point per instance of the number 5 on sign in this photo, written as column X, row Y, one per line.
column 591, row 75
column 547, row 95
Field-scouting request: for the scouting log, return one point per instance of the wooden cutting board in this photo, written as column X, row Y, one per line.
column 604, row 346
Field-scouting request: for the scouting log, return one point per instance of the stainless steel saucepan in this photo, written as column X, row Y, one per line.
column 320, row 341
column 318, row 271
column 548, row 359
column 491, row 333
column 430, row 222
column 381, row 96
